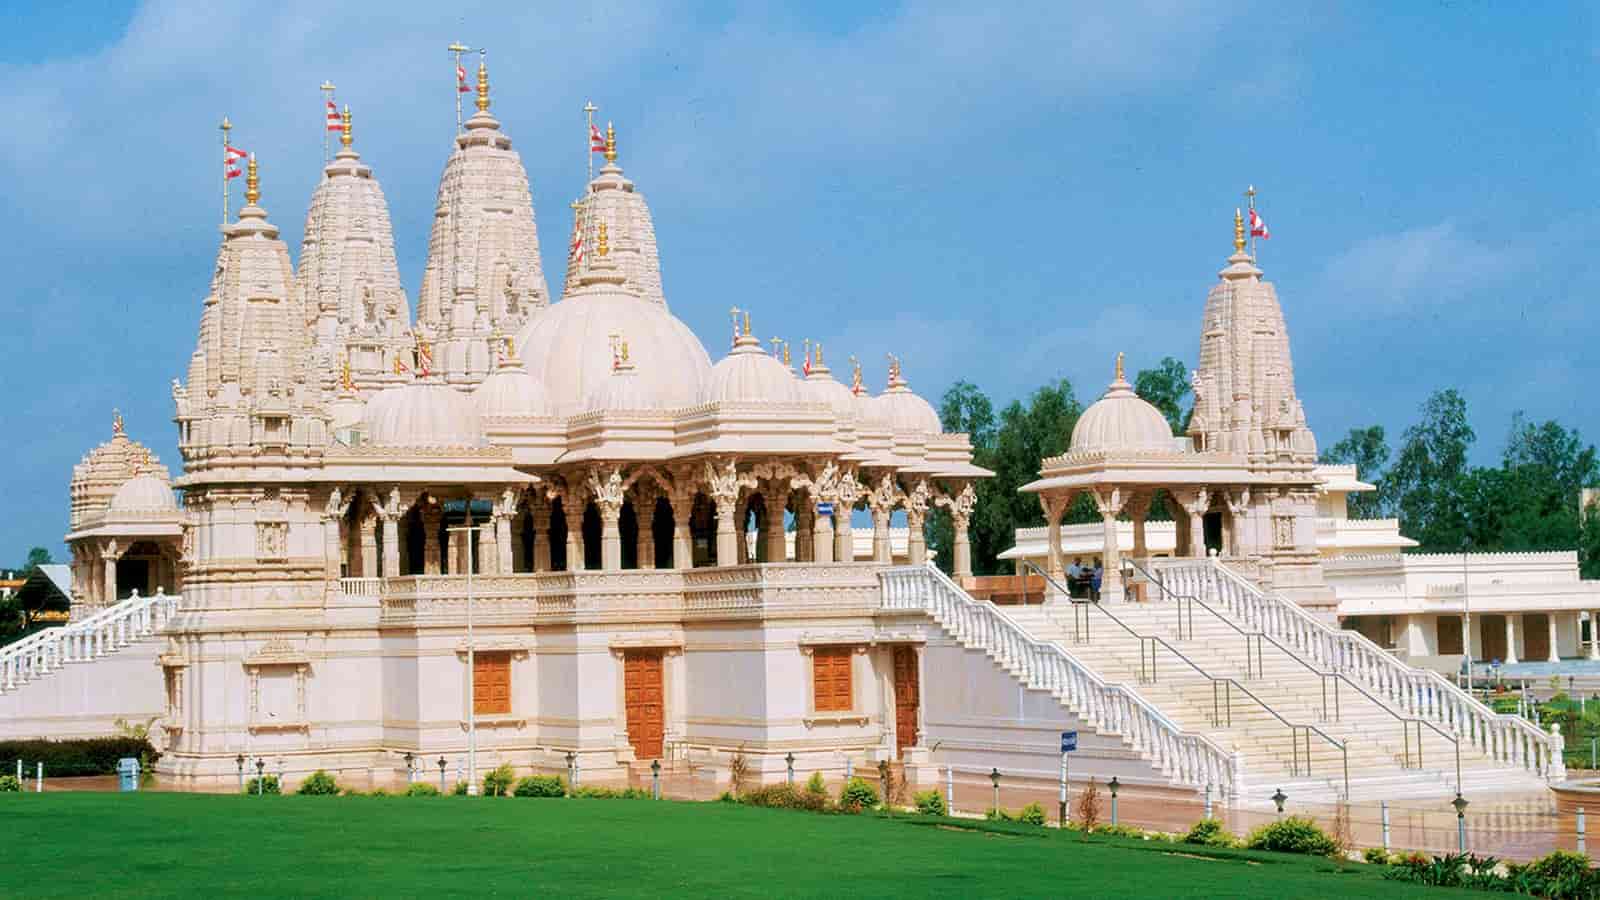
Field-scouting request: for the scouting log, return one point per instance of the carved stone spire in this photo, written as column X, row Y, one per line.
column 612, row 198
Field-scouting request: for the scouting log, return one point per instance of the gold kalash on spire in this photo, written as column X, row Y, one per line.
column 252, row 183
column 611, row 143
column 1238, row 230
column 344, row 134
column 483, row 84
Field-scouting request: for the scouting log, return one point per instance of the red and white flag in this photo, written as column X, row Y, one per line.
column 335, row 121
column 576, row 251
column 597, row 142
column 1258, row 226
column 461, row 80
column 230, row 161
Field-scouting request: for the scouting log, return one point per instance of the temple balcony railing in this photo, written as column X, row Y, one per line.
column 633, row 595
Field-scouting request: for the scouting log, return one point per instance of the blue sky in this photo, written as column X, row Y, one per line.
column 1007, row 194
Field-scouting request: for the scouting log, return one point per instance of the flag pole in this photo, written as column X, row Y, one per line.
column 327, row 98
column 589, row 110
column 226, row 127
column 458, row 48
column 1250, row 193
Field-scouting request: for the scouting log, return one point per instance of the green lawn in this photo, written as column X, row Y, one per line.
column 184, row 845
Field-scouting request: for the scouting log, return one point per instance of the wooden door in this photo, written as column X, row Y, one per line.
column 907, row 697
column 646, row 710
column 491, row 684
column 1535, row 637
column 1492, row 631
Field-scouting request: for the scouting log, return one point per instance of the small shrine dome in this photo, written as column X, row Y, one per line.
column 750, row 375
column 510, row 391
column 425, row 413
column 1122, row 421
column 901, row 410
column 143, row 493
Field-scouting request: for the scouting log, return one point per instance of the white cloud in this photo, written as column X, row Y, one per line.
column 1417, row 268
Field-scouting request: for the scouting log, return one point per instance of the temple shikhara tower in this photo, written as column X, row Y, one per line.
column 563, row 536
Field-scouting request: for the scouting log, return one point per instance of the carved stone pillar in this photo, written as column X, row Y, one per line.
column 575, row 558
column 504, row 548
column 108, row 565
column 962, row 520
column 741, row 515
column 391, row 545
column 1550, row 620
column 1195, row 503
column 821, row 533
column 728, row 542
column 431, row 556
column 1511, row 639
column 1055, row 506
column 1241, row 536
column 916, row 517
column 844, row 539
column 805, row 517
column 609, row 495
column 1138, row 509
column 541, row 535
column 644, row 513
column 682, row 536
column 368, row 519
column 777, row 545
column 1108, row 501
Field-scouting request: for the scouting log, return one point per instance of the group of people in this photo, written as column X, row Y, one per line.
column 1084, row 581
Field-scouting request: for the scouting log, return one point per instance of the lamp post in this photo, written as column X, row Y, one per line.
column 572, row 772
column 1466, row 608
column 410, row 769
column 655, row 779
column 1113, row 784
column 471, row 531
column 789, row 761
column 261, row 777
column 1460, row 803
column 441, row 775
column 883, row 779
column 239, row 760
column 1278, row 797
column 994, row 779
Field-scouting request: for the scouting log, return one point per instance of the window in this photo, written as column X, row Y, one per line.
column 491, row 683
column 830, row 677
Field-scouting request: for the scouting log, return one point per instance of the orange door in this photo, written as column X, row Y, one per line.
column 1493, row 634
column 907, row 697
column 646, row 712
column 1535, row 637
column 491, row 684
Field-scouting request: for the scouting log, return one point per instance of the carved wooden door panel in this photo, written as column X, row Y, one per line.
column 491, row 684
column 907, row 697
column 646, row 710
column 1492, row 630
column 1535, row 637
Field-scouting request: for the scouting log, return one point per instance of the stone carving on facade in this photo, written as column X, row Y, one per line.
column 1283, row 532
column 272, row 540
column 886, row 495
column 608, row 491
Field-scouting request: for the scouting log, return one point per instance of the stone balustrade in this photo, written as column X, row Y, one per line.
column 104, row 632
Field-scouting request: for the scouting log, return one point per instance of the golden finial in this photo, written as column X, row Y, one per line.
column 786, row 362
column 1119, row 366
column 624, row 351
column 894, row 369
column 509, row 351
column 1250, row 192
column 602, row 247
column 1238, row 231
column 344, row 374
column 116, row 423
column 747, row 323
column 344, row 136
column 819, row 353
column 252, row 183
column 775, row 342
column 611, row 143
column 483, row 85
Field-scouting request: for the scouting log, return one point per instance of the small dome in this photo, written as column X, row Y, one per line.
column 423, row 414
column 1122, row 421
column 145, row 492
column 622, row 391
column 750, row 375
column 568, row 348
column 902, row 411
column 511, row 391
column 821, row 387
column 346, row 410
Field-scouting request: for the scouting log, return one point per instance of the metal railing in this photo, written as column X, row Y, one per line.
column 1425, row 694
column 1222, row 686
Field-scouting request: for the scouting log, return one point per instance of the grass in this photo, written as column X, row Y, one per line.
column 188, row 845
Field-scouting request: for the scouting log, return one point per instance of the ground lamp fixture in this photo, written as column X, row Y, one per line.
column 410, row 768
column 789, row 761
column 994, row 779
column 261, row 777
column 441, row 774
column 1460, row 803
column 655, row 777
column 1278, row 797
column 239, row 760
column 572, row 771
column 1113, row 784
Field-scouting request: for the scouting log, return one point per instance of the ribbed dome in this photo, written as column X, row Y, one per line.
column 568, row 348
column 821, row 387
column 621, row 391
column 511, row 391
column 903, row 411
column 750, row 375
column 1122, row 421
column 423, row 414
column 346, row 410
column 145, row 492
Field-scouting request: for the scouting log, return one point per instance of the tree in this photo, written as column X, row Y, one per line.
column 1424, row 486
column 1367, row 449
column 38, row 556
column 966, row 410
column 1165, row 387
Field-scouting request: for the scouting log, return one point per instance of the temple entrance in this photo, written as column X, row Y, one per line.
column 907, row 697
column 1492, row 631
column 1535, row 637
column 1211, row 523
column 643, row 700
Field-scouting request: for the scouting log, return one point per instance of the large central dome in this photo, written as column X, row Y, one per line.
column 568, row 346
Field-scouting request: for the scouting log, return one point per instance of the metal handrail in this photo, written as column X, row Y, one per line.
column 1225, row 684
column 1324, row 675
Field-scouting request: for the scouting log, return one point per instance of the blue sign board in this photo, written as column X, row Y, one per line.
column 128, row 774
column 824, row 509
column 1069, row 741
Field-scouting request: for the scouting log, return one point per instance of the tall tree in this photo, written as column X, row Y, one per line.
column 1369, row 451
column 1165, row 388
column 1424, row 487
column 38, row 556
column 966, row 410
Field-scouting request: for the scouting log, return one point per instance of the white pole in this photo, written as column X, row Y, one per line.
column 1583, row 828
column 1063, row 810
column 38, row 778
column 1208, row 799
column 950, row 789
column 1384, row 805
column 470, row 531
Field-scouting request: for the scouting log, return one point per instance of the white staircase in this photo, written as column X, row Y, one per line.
column 1183, row 755
column 99, row 635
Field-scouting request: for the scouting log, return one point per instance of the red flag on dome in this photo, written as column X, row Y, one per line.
column 230, row 161
column 461, row 80
column 597, row 141
column 576, row 251
column 1258, row 226
column 335, row 121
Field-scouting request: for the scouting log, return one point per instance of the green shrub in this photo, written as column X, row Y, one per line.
column 815, row 784
column 1032, row 814
column 541, row 786
column 498, row 781
column 1125, row 831
column 10, row 785
column 931, row 803
column 266, row 785
column 784, row 796
column 604, row 793
column 84, row 756
column 460, row 790
column 1376, row 855
column 1210, row 833
column 727, row 797
column 857, row 795
column 1294, row 834
column 1559, row 866
column 422, row 789
column 998, row 815
column 319, row 784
